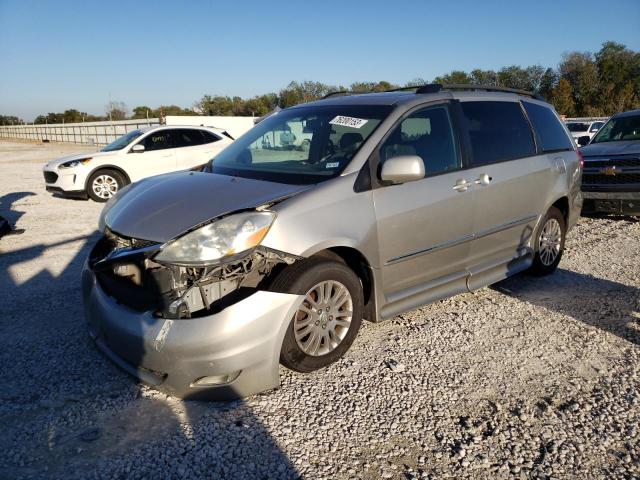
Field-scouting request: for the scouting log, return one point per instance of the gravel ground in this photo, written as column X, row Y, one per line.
column 531, row 378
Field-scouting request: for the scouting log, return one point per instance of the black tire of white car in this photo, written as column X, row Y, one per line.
column 300, row 278
column 539, row 266
column 113, row 174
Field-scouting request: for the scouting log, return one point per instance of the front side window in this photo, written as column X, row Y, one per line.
column 123, row 141
column 427, row 133
column 302, row 144
column 159, row 140
column 498, row 131
column 545, row 122
column 621, row 128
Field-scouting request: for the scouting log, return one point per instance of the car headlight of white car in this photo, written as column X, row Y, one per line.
column 227, row 236
column 74, row 163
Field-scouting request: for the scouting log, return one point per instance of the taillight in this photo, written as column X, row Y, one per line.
column 581, row 158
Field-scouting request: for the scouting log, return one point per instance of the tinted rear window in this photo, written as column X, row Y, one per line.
column 186, row 137
column 550, row 131
column 209, row 137
column 498, row 131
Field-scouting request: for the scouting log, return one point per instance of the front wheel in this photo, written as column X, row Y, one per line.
column 549, row 243
column 328, row 320
column 104, row 184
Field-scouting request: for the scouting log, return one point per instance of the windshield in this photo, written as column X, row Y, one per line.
column 578, row 127
column 622, row 128
column 123, row 141
column 301, row 145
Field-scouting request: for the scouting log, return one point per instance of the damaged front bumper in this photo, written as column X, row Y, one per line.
column 228, row 349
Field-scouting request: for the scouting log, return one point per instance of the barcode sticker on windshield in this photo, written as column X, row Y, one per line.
column 348, row 121
column 333, row 165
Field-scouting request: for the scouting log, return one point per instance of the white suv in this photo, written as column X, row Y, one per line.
column 138, row 154
column 584, row 129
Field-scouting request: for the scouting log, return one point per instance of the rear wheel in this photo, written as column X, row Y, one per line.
column 328, row 320
column 104, row 184
column 549, row 243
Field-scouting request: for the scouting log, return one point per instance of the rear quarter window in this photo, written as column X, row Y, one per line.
column 551, row 134
column 498, row 131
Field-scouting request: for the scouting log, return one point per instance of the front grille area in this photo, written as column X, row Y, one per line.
column 620, row 163
column 617, row 173
column 50, row 177
column 602, row 179
column 129, row 280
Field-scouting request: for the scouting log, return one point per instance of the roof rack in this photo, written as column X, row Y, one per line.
column 337, row 93
column 437, row 87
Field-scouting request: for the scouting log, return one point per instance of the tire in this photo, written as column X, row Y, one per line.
column 337, row 333
column 549, row 238
column 104, row 184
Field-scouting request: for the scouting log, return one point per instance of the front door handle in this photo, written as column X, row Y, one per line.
column 483, row 179
column 462, row 185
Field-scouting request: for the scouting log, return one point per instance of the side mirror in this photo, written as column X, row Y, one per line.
column 402, row 169
column 137, row 148
column 584, row 140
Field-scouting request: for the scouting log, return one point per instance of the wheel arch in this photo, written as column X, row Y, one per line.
column 106, row 167
column 359, row 264
column 562, row 204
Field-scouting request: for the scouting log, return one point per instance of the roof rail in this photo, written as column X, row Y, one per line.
column 337, row 93
column 437, row 87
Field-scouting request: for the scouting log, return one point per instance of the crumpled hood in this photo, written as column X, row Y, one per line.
column 53, row 164
column 163, row 207
column 623, row 147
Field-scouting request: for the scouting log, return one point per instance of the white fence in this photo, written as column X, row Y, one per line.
column 586, row 119
column 90, row 133
column 103, row 133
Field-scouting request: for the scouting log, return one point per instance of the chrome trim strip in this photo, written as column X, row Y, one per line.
column 463, row 239
column 504, row 226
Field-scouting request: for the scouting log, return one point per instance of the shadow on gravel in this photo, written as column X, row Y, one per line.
column 608, row 305
column 7, row 208
column 67, row 412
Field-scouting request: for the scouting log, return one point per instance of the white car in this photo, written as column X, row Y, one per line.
column 581, row 129
column 138, row 154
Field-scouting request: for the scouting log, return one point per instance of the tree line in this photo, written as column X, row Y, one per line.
column 583, row 84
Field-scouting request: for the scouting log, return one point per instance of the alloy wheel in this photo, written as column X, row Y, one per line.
column 324, row 318
column 105, row 186
column 550, row 242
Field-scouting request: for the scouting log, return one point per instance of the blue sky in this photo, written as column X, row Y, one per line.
column 56, row 55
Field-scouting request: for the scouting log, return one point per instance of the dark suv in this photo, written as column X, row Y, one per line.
column 611, row 177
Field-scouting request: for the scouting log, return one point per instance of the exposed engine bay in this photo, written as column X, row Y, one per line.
column 126, row 271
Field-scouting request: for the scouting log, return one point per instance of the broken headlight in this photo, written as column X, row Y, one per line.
column 221, row 238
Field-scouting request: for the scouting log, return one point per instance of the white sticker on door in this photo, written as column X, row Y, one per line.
column 348, row 121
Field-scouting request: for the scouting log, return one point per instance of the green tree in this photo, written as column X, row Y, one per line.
column 455, row 77
column 562, row 98
column 484, row 77
column 547, row 83
column 142, row 111
column 10, row 120
column 619, row 74
column 581, row 71
column 302, row 92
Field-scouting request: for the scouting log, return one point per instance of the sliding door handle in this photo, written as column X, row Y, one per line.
column 483, row 179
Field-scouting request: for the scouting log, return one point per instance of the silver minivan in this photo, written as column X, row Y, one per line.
column 349, row 208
